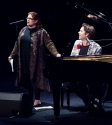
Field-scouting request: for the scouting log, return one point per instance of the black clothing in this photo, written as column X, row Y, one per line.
column 36, row 92
column 83, row 50
column 25, row 44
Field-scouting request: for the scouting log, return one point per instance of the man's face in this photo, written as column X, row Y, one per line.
column 82, row 34
column 30, row 21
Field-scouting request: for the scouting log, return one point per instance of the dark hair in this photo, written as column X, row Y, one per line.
column 36, row 16
column 89, row 29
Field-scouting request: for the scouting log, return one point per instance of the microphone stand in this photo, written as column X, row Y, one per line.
column 16, row 24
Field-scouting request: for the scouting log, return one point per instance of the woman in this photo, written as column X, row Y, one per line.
column 30, row 48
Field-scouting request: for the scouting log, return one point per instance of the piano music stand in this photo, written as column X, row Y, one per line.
column 63, row 54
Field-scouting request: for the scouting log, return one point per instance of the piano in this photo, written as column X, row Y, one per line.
column 80, row 68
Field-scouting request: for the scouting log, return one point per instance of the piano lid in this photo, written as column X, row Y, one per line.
column 96, row 15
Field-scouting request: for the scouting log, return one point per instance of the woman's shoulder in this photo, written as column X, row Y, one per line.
column 24, row 27
column 22, row 30
column 42, row 30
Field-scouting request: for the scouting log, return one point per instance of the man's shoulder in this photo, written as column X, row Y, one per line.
column 78, row 41
column 95, row 43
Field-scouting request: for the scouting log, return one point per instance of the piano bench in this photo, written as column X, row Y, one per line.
column 66, row 88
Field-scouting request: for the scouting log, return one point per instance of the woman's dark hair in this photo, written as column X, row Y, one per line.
column 36, row 16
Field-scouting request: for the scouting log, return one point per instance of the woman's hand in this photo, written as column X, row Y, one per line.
column 58, row 55
column 9, row 58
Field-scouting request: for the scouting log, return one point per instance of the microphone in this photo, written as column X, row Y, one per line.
column 20, row 21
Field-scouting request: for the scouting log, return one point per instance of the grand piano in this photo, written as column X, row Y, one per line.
column 73, row 69
column 81, row 68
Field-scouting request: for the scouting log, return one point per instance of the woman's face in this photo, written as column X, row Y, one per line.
column 30, row 21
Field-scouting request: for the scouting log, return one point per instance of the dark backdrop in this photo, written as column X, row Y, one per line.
column 60, row 18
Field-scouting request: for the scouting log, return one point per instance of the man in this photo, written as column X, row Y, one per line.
column 87, row 46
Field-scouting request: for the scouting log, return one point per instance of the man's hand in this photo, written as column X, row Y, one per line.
column 92, row 17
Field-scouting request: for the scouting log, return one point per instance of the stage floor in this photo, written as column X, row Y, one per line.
column 43, row 114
